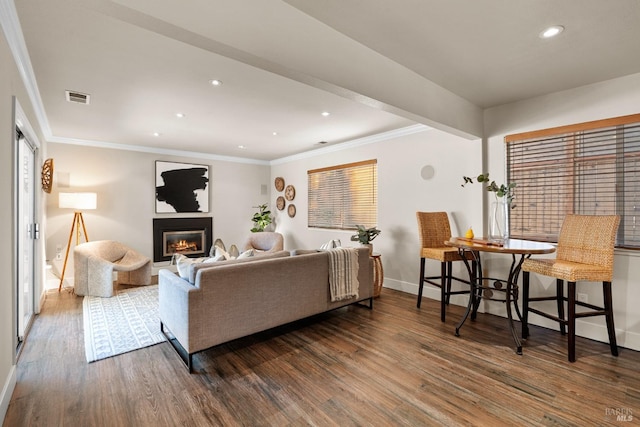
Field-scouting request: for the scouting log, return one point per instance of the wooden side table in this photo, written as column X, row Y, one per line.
column 378, row 274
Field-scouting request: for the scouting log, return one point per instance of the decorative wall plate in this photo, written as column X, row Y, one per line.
column 291, row 210
column 280, row 203
column 290, row 192
column 47, row 175
column 279, row 183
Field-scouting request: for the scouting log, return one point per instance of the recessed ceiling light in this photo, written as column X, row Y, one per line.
column 274, row 133
column 325, row 113
column 157, row 134
column 179, row 115
column 242, row 147
column 215, row 82
column 551, row 31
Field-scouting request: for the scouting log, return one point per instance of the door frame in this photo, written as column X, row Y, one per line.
column 21, row 121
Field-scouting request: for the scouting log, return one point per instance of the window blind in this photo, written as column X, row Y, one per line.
column 589, row 169
column 343, row 196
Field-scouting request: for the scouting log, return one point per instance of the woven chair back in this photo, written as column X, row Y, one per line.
column 588, row 239
column 434, row 229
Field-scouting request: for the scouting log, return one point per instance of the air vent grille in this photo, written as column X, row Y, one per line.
column 78, row 97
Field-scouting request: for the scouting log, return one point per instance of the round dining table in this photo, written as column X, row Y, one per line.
column 519, row 251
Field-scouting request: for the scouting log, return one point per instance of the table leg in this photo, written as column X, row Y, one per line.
column 512, row 296
column 509, row 292
column 478, row 279
column 475, row 278
column 525, row 305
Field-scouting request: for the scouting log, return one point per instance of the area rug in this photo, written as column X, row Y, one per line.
column 125, row 322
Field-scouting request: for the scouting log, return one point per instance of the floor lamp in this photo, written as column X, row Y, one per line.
column 78, row 202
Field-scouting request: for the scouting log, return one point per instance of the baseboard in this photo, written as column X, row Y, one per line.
column 586, row 329
column 43, row 298
column 7, row 392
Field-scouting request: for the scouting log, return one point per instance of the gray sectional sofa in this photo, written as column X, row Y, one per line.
column 222, row 301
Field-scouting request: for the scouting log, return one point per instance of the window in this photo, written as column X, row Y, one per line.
column 343, row 196
column 589, row 168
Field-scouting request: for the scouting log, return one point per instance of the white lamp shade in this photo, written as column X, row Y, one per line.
column 78, row 201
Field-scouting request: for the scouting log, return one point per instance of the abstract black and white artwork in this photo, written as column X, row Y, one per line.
column 181, row 187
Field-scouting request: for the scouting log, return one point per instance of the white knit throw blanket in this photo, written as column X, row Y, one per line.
column 343, row 273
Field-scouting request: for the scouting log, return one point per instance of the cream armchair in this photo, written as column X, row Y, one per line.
column 95, row 262
column 266, row 241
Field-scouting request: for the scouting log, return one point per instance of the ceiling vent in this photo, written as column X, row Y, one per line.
column 78, row 97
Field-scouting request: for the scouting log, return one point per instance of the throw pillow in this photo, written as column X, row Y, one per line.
column 183, row 263
column 214, row 258
column 331, row 244
column 223, row 253
column 246, row 254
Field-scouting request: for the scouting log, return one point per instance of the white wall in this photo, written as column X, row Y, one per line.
column 402, row 192
column 125, row 184
column 603, row 100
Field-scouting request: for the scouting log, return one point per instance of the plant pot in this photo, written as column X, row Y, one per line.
column 368, row 245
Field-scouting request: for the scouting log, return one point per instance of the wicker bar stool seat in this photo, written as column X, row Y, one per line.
column 435, row 229
column 584, row 254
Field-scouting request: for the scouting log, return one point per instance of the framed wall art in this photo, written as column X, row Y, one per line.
column 181, row 187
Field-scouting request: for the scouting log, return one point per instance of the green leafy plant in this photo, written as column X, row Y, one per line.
column 365, row 235
column 502, row 190
column 261, row 219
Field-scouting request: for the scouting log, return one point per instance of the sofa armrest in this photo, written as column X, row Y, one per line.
column 174, row 295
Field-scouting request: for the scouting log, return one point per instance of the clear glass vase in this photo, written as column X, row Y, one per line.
column 499, row 221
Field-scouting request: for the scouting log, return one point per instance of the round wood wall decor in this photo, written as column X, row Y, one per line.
column 279, row 183
column 290, row 192
column 291, row 210
column 47, row 175
column 280, row 203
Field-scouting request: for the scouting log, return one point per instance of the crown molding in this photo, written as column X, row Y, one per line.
column 155, row 150
column 13, row 34
column 383, row 136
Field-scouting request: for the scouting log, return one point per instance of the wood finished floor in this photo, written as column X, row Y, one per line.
column 395, row 365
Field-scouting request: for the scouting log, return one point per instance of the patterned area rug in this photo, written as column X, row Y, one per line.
column 125, row 322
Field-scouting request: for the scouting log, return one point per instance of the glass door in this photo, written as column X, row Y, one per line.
column 27, row 235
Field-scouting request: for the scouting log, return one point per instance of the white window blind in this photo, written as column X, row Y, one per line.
column 343, row 196
column 589, row 169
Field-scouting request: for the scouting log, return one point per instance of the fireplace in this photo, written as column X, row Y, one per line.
column 187, row 236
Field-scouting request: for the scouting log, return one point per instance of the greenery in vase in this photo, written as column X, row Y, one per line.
column 502, row 190
column 261, row 219
column 365, row 235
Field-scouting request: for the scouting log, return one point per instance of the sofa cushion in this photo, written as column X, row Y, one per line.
column 195, row 267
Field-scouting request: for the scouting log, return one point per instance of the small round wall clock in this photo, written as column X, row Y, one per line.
column 279, row 183
column 47, row 175
column 280, row 203
column 290, row 193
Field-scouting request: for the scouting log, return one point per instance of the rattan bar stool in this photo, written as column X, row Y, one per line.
column 584, row 254
column 434, row 230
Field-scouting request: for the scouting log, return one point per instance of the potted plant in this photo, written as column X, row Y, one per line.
column 502, row 190
column 499, row 213
column 261, row 219
column 365, row 235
